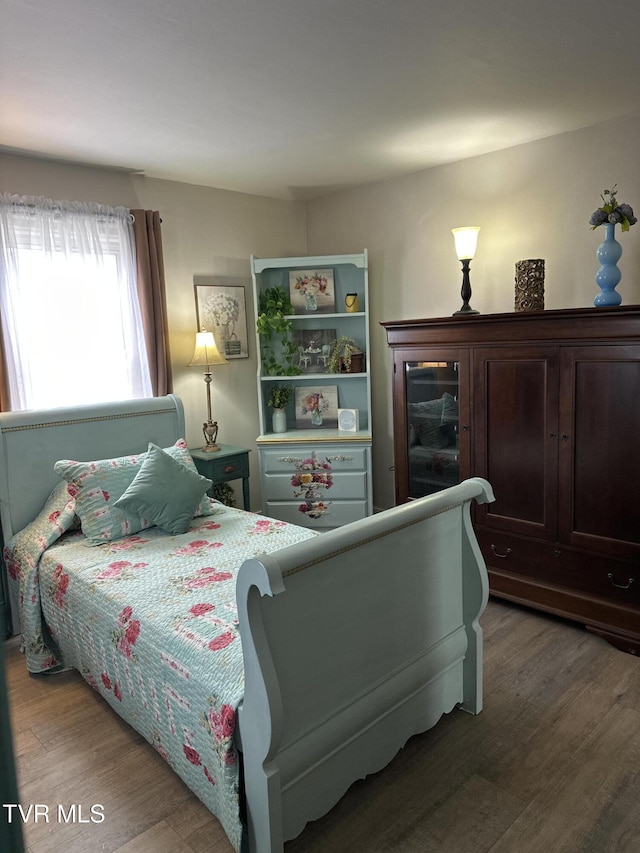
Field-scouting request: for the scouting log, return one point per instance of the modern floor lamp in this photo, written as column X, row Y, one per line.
column 466, row 240
column 205, row 354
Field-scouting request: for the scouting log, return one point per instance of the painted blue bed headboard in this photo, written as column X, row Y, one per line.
column 31, row 442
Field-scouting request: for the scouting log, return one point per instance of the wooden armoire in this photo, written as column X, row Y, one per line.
column 546, row 407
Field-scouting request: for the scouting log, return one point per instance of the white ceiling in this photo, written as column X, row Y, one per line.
column 298, row 98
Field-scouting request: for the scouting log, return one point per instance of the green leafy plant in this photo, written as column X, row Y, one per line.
column 279, row 396
column 224, row 493
column 274, row 328
column 341, row 352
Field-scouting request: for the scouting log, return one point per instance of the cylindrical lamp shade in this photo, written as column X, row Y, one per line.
column 466, row 240
column 206, row 351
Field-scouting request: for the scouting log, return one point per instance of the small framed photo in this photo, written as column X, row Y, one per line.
column 317, row 407
column 312, row 291
column 348, row 420
column 313, row 349
column 221, row 309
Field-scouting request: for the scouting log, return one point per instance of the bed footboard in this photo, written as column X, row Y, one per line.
column 354, row 641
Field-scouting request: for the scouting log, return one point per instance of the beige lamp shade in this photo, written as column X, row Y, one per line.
column 206, row 351
column 466, row 240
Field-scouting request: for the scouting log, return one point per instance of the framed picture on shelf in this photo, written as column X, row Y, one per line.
column 221, row 309
column 313, row 349
column 317, row 407
column 312, row 291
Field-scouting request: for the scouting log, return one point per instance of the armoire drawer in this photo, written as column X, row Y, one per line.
column 569, row 568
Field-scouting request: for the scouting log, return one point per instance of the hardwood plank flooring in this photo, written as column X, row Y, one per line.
column 552, row 765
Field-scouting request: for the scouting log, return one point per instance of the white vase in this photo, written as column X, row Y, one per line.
column 279, row 420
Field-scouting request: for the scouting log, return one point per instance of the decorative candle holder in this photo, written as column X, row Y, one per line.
column 530, row 285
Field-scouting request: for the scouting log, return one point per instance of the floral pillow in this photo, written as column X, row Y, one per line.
column 96, row 486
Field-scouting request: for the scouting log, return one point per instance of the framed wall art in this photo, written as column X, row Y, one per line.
column 221, row 309
column 312, row 291
column 317, row 407
column 313, row 349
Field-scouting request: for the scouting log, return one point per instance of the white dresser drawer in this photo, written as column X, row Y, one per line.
column 337, row 513
column 339, row 457
column 347, row 485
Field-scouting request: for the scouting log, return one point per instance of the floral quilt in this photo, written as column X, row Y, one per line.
column 150, row 622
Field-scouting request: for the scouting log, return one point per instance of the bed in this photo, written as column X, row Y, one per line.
column 266, row 663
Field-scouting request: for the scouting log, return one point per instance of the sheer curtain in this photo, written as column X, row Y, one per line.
column 71, row 323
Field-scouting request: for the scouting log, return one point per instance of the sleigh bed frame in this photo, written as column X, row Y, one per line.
column 328, row 700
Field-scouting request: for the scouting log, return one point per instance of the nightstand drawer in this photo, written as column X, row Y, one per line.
column 231, row 468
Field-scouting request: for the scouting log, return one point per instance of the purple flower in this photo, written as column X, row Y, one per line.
column 611, row 211
column 598, row 217
column 627, row 211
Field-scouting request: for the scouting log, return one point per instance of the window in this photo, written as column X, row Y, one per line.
column 71, row 319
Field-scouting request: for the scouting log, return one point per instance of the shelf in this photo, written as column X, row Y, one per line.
column 309, row 261
column 312, row 315
column 315, row 376
column 311, row 435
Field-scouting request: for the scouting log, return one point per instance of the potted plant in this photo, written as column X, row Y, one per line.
column 279, row 396
column 274, row 328
column 346, row 357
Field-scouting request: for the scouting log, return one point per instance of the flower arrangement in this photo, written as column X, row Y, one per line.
column 225, row 309
column 611, row 211
column 311, row 284
column 314, row 403
column 310, row 478
column 279, row 396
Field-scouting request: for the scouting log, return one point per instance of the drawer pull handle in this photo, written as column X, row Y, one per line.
column 620, row 585
column 502, row 556
column 229, row 469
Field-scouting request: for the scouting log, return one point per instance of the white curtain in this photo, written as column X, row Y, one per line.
column 71, row 323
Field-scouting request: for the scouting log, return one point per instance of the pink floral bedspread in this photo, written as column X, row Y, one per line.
column 150, row 622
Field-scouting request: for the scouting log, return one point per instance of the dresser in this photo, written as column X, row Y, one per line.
column 547, row 409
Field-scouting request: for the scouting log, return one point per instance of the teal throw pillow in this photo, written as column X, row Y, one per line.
column 164, row 492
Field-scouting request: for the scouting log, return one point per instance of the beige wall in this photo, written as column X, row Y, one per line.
column 531, row 201
column 205, row 232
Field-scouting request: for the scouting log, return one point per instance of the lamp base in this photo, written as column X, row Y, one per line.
column 210, row 432
column 465, row 310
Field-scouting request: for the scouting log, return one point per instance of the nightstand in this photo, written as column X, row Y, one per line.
column 228, row 463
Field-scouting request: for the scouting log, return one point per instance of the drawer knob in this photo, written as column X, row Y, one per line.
column 502, row 556
column 229, row 469
column 626, row 585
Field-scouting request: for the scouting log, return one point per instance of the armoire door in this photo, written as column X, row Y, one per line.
column 599, row 459
column 431, row 420
column 515, row 400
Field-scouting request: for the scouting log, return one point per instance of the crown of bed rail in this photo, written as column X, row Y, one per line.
column 367, row 530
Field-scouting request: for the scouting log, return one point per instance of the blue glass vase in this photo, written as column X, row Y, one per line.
column 608, row 276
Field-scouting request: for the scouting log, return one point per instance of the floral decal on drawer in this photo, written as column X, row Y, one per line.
column 312, row 476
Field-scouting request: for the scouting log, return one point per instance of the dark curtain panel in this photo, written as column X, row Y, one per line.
column 153, row 300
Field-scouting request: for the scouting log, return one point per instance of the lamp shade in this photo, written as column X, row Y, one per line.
column 206, row 351
column 466, row 241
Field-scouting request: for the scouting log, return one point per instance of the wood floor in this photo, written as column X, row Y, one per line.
column 552, row 765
